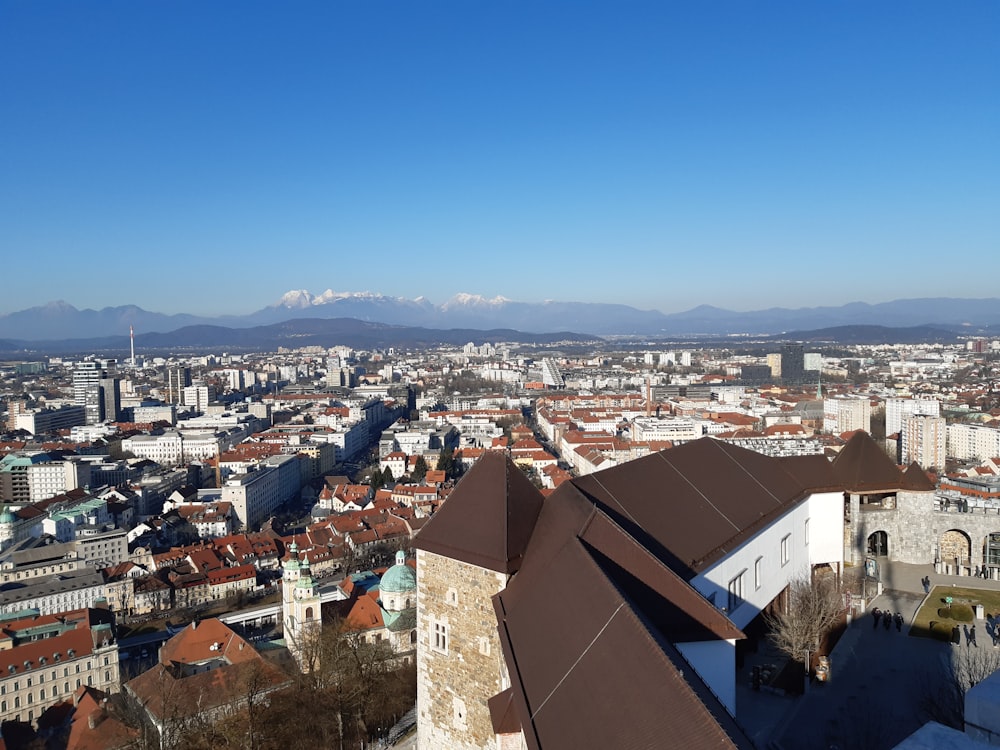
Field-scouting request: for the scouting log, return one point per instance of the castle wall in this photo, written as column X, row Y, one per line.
column 917, row 531
column 456, row 676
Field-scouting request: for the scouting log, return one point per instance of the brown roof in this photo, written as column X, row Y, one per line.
column 915, row 479
column 488, row 519
column 698, row 501
column 606, row 630
column 864, row 467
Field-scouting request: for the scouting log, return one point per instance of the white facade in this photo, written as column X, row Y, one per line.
column 50, row 478
column 646, row 429
column 166, row 449
column 897, row 409
column 842, row 415
column 754, row 574
column 973, row 441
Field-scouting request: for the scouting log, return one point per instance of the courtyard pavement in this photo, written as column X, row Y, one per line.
column 878, row 678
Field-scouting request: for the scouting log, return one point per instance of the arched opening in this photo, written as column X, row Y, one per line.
column 878, row 544
column 991, row 554
column 956, row 552
column 309, row 613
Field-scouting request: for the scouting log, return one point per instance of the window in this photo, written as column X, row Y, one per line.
column 758, row 571
column 806, row 532
column 736, row 591
column 439, row 637
column 785, row 540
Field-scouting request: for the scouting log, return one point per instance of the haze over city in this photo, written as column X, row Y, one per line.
column 208, row 159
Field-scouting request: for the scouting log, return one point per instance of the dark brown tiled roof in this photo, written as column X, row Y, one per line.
column 864, row 467
column 915, row 479
column 700, row 500
column 488, row 519
column 592, row 617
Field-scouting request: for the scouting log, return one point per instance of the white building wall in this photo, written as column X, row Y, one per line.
column 715, row 663
column 825, row 513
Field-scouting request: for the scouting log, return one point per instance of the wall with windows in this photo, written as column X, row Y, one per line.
column 459, row 659
column 747, row 579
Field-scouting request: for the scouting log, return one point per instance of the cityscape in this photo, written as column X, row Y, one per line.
column 499, row 376
column 269, row 507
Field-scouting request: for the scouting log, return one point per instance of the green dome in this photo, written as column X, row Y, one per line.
column 400, row 578
column 7, row 516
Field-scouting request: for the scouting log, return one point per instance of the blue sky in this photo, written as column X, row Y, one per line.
column 208, row 157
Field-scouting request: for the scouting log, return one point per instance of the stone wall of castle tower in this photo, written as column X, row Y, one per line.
column 456, row 676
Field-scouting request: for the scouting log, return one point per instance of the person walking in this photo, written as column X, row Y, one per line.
column 887, row 619
column 972, row 635
column 876, row 615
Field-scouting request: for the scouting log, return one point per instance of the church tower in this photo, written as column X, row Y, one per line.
column 466, row 554
column 300, row 608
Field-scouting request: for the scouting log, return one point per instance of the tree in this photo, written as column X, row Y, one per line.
column 814, row 608
column 377, row 478
column 446, row 462
column 943, row 691
column 419, row 470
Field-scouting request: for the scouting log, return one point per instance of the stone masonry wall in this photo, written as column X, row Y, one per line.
column 916, row 531
column 453, row 687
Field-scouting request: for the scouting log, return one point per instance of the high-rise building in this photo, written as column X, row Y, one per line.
column 793, row 367
column 924, row 440
column 898, row 409
column 97, row 390
column 177, row 379
column 111, row 399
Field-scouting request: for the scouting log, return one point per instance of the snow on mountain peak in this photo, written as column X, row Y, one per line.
column 297, row 298
column 475, row 300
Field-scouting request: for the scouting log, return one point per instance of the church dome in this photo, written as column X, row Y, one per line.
column 400, row 578
column 7, row 516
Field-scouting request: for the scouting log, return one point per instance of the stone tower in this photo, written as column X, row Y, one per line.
column 466, row 554
column 300, row 608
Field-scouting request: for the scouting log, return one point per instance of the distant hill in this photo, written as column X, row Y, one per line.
column 60, row 321
column 873, row 335
column 290, row 334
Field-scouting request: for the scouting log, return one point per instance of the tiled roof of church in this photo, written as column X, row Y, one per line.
column 488, row 518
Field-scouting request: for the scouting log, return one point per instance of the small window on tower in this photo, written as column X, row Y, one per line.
column 452, row 597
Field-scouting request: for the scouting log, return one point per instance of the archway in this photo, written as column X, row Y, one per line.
column 878, row 544
column 956, row 551
column 991, row 554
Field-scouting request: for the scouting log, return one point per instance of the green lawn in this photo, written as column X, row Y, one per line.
column 935, row 610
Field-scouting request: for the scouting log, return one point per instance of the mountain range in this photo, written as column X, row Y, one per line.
column 62, row 321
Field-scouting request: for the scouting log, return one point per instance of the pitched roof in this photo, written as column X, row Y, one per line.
column 488, row 519
column 607, row 630
column 915, row 479
column 864, row 467
column 698, row 501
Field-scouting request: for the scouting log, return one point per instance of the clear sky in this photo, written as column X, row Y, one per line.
column 207, row 157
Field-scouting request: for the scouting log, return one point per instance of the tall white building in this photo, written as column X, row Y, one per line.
column 897, row 409
column 842, row 415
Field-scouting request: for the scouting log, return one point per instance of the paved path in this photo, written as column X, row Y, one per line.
column 878, row 679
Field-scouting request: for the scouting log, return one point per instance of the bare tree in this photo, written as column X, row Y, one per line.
column 814, row 608
column 943, row 694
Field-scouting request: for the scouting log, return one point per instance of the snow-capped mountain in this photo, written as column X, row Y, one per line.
column 60, row 320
